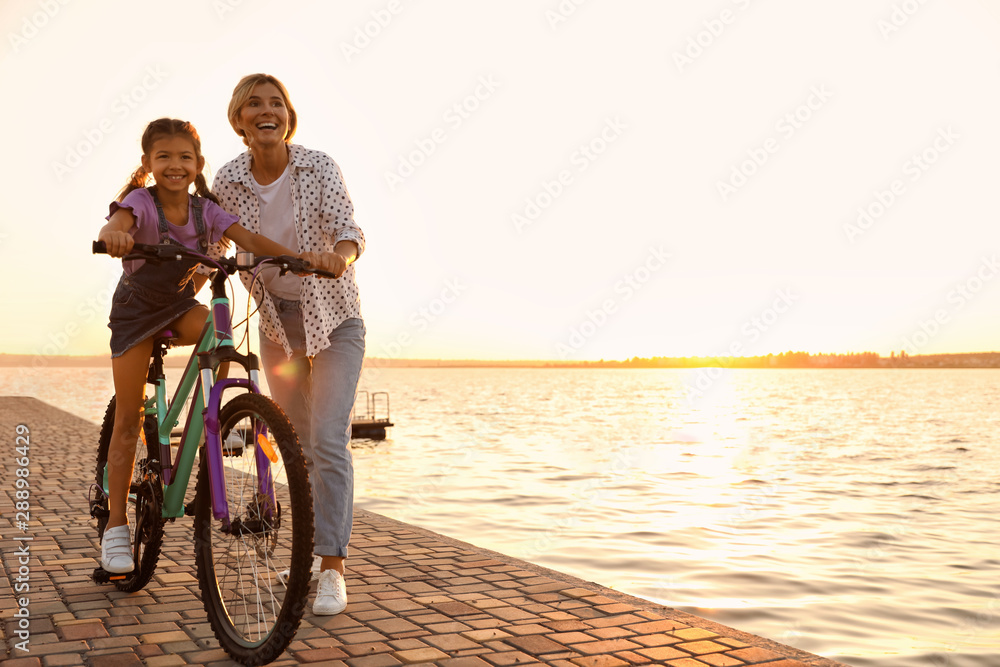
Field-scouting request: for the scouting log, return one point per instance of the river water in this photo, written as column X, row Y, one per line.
column 851, row 513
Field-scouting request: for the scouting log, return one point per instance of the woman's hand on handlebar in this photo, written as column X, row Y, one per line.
column 326, row 261
column 118, row 243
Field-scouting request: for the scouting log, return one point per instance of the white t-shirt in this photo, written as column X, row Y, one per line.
column 277, row 222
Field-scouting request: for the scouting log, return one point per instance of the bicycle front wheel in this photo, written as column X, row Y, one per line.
column 269, row 530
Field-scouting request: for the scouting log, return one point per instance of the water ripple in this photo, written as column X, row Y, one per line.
column 825, row 510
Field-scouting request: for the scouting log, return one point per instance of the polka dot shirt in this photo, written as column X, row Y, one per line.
column 324, row 216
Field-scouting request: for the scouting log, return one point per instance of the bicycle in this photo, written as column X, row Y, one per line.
column 252, row 508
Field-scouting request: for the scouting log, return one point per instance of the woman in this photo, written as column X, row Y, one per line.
column 312, row 337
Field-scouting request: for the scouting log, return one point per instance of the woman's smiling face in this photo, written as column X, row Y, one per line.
column 264, row 117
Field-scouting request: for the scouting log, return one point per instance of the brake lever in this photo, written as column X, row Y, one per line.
column 288, row 263
column 131, row 257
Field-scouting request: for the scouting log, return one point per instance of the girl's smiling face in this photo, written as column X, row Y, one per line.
column 174, row 163
column 264, row 117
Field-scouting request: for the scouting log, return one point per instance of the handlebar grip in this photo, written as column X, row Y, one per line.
column 100, row 248
column 295, row 264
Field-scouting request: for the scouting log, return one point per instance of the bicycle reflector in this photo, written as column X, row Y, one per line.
column 267, row 448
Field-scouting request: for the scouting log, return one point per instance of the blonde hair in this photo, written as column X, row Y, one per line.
column 244, row 91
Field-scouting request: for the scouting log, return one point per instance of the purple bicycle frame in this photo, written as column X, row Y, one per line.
column 213, row 452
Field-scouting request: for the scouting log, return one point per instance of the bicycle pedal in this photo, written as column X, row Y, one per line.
column 97, row 511
column 102, row 576
column 189, row 509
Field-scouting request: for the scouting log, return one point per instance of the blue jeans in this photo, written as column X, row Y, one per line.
column 317, row 393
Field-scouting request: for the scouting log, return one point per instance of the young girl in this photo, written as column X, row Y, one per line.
column 152, row 297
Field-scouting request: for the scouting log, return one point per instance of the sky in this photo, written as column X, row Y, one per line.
column 550, row 179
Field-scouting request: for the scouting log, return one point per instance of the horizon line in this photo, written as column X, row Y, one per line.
column 13, row 356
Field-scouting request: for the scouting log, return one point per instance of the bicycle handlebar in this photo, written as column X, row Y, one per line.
column 243, row 261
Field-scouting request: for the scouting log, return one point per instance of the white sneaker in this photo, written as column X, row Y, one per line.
column 285, row 574
column 331, row 595
column 116, row 550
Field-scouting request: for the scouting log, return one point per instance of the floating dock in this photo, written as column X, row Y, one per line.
column 370, row 417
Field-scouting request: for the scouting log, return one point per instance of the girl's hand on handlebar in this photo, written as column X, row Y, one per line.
column 326, row 261
column 117, row 242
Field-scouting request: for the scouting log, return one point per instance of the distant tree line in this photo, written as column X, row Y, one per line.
column 804, row 360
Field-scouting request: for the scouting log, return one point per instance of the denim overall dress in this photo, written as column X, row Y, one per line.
column 155, row 295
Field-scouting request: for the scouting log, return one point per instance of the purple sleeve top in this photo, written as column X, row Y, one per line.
column 146, row 229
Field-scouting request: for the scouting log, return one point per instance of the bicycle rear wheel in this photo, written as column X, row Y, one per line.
column 144, row 502
column 252, row 614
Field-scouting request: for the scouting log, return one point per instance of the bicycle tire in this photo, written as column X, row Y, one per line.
column 145, row 500
column 252, row 614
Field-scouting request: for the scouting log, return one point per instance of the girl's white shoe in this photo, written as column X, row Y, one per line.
column 116, row 550
column 285, row 574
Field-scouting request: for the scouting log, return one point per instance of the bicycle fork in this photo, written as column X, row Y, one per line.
column 211, row 392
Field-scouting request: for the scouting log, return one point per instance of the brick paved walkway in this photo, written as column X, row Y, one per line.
column 415, row 596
